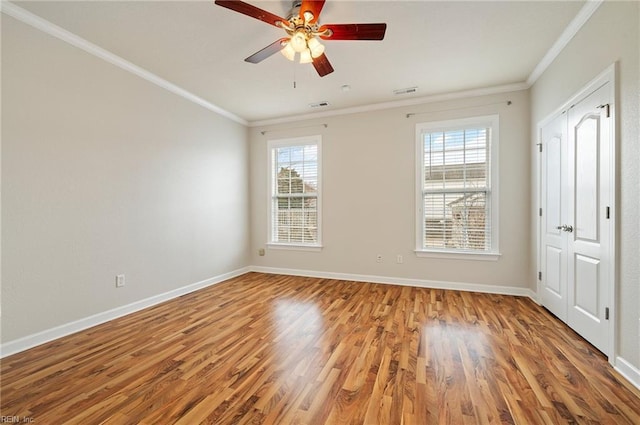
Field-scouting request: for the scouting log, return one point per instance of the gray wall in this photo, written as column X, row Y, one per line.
column 369, row 198
column 104, row 173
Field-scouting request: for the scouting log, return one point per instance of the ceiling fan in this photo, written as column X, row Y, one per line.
column 303, row 30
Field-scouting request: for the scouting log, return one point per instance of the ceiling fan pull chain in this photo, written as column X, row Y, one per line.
column 295, row 85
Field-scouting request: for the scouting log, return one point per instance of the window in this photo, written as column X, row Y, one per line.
column 457, row 187
column 294, row 207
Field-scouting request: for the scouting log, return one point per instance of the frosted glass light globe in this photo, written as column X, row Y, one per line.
column 298, row 42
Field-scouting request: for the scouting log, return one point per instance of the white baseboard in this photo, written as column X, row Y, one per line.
column 39, row 338
column 628, row 371
column 42, row 337
column 421, row 283
column 622, row 366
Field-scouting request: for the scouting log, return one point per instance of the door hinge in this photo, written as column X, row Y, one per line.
column 607, row 109
column 606, row 313
column 608, row 213
column 539, row 145
column 540, row 212
column 539, row 275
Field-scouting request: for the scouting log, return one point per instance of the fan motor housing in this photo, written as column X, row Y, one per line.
column 295, row 9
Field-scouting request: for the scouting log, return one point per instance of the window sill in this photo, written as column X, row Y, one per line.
column 293, row 247
column 449, row 255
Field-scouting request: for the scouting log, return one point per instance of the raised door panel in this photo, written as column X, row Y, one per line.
column 554, row 243
column 587, row 247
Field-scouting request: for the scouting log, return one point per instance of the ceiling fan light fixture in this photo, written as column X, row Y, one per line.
column 298, row 42
column 303, row 28
column 316, row 48
column 305, row 56
column 288, row 52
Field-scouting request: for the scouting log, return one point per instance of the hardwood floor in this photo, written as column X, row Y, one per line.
column 289, row 350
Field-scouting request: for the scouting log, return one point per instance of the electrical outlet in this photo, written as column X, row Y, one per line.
column 399, row 259
column 119, row 281
column 261, row 252
column 379, row 258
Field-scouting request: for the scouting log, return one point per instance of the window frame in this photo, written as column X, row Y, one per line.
column 488, row 121
column 293, row 142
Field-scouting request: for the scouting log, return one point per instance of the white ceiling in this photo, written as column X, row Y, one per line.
column 438, row 46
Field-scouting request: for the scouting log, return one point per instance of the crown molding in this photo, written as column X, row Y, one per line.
column 397, row 104
column 47, row 27
column 567, row 35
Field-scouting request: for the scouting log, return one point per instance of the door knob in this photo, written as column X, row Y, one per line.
column 565, row 228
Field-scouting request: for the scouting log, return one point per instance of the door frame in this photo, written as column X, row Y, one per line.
column 607, row 76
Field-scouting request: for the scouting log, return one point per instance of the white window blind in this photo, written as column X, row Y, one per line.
column 455, row 171
column 294, row 210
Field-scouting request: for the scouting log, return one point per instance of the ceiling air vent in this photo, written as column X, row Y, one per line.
column 322, row 104
column 408, row 90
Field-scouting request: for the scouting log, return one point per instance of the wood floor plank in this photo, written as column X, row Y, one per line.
column 270, row 349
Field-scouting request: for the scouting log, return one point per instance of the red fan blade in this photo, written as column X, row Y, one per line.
column 313, row 6
column 272, row 48
column 252, row 11
column 354, row 31
column 322, row 65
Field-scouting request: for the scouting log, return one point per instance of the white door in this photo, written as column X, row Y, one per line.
column 576, row 237
column 554, row 241
column 588, row 258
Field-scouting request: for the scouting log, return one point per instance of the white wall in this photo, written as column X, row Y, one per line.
column 104, row 173
column 369, row 198
column 610, row 35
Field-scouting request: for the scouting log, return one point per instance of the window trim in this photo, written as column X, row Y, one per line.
column 288, row 142
column 491, row 121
